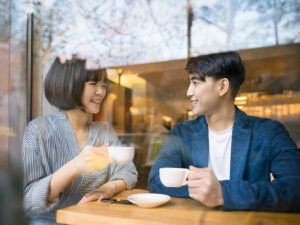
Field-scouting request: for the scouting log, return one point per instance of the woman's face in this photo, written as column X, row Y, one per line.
column 92, row 96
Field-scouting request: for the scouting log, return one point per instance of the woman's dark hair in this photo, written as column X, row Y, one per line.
column 64, row 83
column 220, row 65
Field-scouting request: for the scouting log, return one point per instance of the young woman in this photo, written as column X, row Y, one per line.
column 62, row 165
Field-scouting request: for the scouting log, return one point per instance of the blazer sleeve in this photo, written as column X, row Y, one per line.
column 283, row 193
column 170, row 155
column 36, row 181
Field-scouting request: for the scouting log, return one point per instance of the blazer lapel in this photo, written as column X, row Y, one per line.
column 199, row 144
column 241, row 137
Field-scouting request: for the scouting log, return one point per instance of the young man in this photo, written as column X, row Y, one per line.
column 230, row 154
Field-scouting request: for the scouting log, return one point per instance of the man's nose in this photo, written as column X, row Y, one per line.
column 190, row 91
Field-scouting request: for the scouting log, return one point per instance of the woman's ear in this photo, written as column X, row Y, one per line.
column 223, row 86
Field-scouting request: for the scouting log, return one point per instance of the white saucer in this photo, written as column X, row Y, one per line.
column 148, row 200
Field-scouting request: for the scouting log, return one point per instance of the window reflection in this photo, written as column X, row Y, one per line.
column 235, row 24
column 146, row 100
column 158, row 97
column 283, row 107
column 5, row 130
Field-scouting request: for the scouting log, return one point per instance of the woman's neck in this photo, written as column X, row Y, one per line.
column 78, row 119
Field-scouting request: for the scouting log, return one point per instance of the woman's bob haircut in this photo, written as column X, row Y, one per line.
column 64, row 83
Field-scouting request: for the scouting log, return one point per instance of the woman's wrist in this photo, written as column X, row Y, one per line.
column 62, row 178
column 76, row 168
column 116, row 186
column 120, row 186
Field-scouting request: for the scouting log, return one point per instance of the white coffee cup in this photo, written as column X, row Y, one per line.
column 120, row 154
column 173, row 177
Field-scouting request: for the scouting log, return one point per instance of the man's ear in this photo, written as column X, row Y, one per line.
column 223, row 86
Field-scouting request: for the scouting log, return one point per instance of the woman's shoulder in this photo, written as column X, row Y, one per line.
column 42, row 127
column 101, row 125
column 45, row 123
column 106, row 132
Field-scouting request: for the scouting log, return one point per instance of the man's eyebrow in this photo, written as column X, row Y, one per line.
column 194, row 78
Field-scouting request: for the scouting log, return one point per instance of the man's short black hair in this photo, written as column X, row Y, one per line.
column 219, row 65
column 64, row 83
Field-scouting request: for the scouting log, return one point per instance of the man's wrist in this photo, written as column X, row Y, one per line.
column 221, row 201
column 220, row 198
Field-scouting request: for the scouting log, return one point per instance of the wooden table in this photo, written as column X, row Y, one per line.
column 177, row 211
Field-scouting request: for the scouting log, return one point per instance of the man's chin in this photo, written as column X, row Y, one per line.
column 197, row 113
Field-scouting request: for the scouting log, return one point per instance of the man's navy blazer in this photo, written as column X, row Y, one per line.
column 259, row 147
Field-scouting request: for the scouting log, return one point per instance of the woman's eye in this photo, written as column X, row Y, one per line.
column 92, row 83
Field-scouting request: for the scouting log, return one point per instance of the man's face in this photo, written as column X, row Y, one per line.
column 203, row 95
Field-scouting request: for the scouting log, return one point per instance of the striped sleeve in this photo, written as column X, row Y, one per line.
column 126, row 172
column 36, row 181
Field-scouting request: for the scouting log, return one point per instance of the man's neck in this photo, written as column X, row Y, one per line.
column 221, row 119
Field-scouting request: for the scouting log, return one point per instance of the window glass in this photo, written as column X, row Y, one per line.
column 114, row 32
column 144, row 46
column 238, row 24
column 5, row 130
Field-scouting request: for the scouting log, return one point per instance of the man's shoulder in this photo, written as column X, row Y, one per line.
column 263, row 127
column 262, row 123
column 191, row 125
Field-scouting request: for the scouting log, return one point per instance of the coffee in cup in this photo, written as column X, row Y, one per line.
column 173, row 177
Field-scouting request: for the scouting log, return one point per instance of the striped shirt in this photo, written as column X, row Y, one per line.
column 48, row 144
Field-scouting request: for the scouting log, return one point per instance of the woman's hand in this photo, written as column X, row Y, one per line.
column 105, row 191
column 91, row 159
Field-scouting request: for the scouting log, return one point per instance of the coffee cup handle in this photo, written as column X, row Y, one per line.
column 185, row 182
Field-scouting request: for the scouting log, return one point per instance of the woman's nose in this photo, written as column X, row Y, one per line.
column 100, row 90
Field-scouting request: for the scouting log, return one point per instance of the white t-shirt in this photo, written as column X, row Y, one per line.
column 220, row 153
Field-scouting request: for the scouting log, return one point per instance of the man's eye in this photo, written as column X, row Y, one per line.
column 195, row 83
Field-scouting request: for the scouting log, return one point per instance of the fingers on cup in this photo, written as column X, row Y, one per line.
column 100, row 151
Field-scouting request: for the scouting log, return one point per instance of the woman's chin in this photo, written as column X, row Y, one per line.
column 93, row 111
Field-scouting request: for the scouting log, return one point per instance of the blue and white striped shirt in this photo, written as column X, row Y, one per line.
column 48, row 144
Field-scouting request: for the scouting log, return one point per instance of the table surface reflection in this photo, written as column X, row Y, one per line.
column 176, row 211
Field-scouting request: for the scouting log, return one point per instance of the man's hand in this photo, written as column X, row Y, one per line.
column 205, row 187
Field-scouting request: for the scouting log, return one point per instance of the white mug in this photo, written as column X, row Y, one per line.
column 120, row 155
column 173, row 177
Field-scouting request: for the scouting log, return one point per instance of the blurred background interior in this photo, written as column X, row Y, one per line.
column 144, row 45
